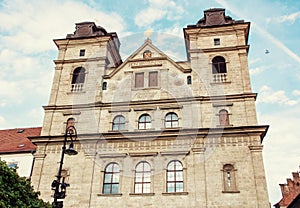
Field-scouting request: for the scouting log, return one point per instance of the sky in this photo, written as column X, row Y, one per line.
column 27, row 51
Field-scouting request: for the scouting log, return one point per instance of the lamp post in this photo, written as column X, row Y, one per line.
column 58, row 186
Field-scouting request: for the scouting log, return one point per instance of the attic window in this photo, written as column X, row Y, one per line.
column 20, row 130
column 21, row 145
column 217, row 41
column 147, row 54
column 82, row 52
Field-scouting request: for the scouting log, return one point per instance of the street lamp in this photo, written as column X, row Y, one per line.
column 58, row 186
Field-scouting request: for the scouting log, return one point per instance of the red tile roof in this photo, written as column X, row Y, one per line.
column 15, row 140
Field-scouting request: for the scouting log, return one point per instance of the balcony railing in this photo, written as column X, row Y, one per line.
column 220, row 77
column 78, row 87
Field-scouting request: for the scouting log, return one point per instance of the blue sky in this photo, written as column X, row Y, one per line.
column 27, row 53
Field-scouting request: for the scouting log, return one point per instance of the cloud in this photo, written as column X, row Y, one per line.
column 256, row 70
column 281, row 158
column 261, row 30
column 36, row 23
column 267, row 95
column 291, row 18
column 157, row 10
column 2, row 122
column 296, row 92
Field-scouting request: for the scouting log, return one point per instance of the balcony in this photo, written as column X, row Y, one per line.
column 220, row 78
column 78, row 87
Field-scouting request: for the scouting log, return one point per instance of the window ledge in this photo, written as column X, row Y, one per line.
column 150, row 129
column 117, row 131
column 110, row 195
column 171, row 128
column 231, row 192
column 175, row 193
column 141, row 194
column 224, row 126
column 75, row 92
column 219, row 83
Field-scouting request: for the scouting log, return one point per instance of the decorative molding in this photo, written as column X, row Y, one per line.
column 142, row 154
column 175, row 193
column 141, row 194
column 67, row 113
column 113, row 155
column 231, row 192
column 167, row 153
column 145, row 108
column 147, row 63
column 222, row 104
column 116, row 110
column 257, row 148
column 170, row 107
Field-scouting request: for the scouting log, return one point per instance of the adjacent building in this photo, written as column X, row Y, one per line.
column 17, row 150
column 154, row 132
column 290, row 193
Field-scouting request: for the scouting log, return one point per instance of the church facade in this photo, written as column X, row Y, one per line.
column 154, row 132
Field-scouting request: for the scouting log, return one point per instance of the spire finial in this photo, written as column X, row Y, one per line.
column 148, row 33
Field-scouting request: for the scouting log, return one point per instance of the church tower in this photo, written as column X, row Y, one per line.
column 153, row 132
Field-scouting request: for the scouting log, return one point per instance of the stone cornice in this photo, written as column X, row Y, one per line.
column 158, row 103
column 79, row 60
column 166, row 134
column 206, row 50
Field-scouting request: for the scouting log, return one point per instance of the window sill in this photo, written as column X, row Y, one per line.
column 117, row 131
column 231, row 192
column 219, row 83
column 171, row 128
column 175, row 193
column 110, row 195
column 224, row 126
column 141, row 194
column 75, row 92
column 150, row 129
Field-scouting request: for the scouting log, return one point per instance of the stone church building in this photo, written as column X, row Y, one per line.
column 151, row 131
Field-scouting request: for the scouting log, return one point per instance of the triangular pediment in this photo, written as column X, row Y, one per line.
column 148, row 55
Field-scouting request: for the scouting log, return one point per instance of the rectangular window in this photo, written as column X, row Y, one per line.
column 153, row 79
column 139, row 80
column 82, row 52
column 217, row 41
column 13, row 165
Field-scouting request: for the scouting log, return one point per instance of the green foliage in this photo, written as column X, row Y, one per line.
column 17, row 192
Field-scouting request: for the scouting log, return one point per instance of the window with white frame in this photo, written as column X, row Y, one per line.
column 144, row 122
column 174, row 177
column 118, row 123
column 111, row 179
column 171, row 120
column 142, row 180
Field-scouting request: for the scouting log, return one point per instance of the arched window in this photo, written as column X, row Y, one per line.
column 118, row 123
column 223, row 117
column 104, row 86
column 229, row 178
column 142, row 180
column 218, row 65
column 174, row 177
column 78, row 79
column 171, row 120
column 189, row 80
column 111, row 179
column 144, row 122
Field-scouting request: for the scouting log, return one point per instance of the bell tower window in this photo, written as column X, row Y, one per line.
column 229, row 179
column 223, row 117
column 219, row 69
column 78, row 79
